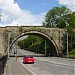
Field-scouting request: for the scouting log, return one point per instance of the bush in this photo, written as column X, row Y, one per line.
column 73, row 51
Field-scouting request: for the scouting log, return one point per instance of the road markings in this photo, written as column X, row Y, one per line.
column 57, row 63
column 27, row 67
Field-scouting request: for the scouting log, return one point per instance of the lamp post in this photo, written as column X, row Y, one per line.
column 67, row 25
column 67, row 43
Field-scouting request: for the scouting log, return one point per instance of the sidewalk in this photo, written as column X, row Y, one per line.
column 15, row 68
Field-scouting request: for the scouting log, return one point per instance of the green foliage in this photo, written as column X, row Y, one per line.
column 30, row 40
column 72, row 51
column 35, row 43
column 59, row 17
column 20, row 44
column 71, row 40
column 20, row 29
column 11, row 39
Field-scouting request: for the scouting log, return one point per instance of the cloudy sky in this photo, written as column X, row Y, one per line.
column 28, row 12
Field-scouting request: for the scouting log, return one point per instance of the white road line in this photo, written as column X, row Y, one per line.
column 27, row 67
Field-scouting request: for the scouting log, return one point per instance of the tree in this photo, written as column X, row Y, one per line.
column 36, row 44
column 20, row 44
column 56, row 17
column 30, row 41
column 71, row 40
column 71, row 19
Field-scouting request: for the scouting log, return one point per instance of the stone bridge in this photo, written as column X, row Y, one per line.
column 53, row 35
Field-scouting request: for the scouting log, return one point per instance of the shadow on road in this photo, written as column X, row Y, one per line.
column 28, row 55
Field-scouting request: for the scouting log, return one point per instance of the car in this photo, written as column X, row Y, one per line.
column 28, row 59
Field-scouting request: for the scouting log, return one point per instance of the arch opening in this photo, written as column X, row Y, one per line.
column 53, row 49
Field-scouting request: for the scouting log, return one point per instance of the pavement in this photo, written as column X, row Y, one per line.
column 15, row 68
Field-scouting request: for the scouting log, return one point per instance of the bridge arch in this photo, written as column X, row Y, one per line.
column 44, row 36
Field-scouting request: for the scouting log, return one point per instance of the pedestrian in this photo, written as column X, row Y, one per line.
column 49, row 53
column 14, row 53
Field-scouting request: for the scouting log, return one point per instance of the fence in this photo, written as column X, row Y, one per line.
column 3, row 61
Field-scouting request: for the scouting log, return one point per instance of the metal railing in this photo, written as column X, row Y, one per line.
column 3, row 61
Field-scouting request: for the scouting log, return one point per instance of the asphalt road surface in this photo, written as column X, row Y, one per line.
column 48, row 65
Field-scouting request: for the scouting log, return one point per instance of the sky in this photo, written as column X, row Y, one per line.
column 28, row 12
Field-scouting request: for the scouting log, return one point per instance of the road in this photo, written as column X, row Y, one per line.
column 48, row 65
column 15, row 68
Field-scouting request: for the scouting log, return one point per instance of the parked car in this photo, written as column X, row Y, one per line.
column 28, row 59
